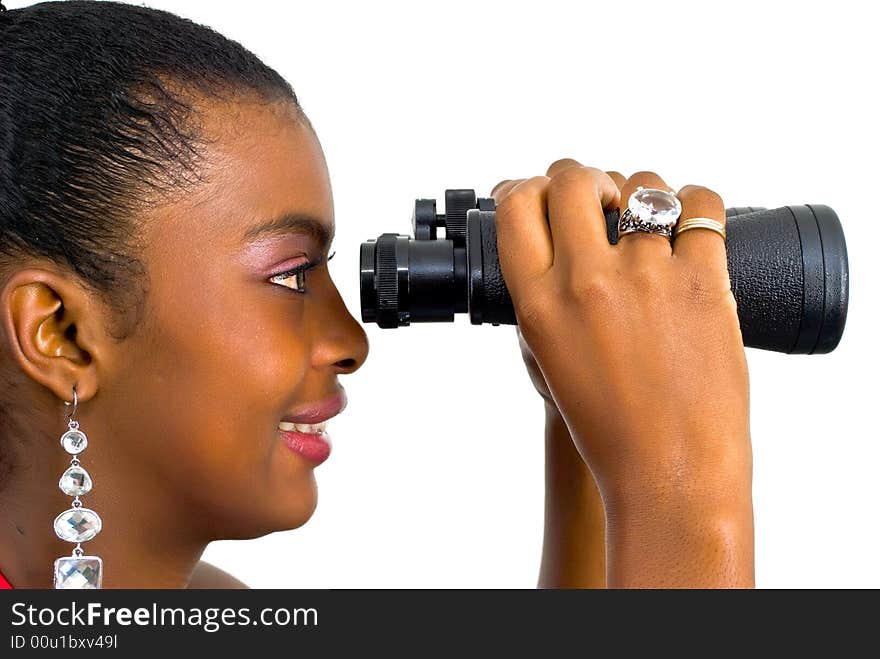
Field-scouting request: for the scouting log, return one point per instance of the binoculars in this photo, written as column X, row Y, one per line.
column 788, row 271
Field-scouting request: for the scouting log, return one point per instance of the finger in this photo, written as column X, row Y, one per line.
column 618, row 178
column 525, row 248
column 561, row 164
column 498, row 185
column 640, row 244
column 704, row 248
column 576, row 198
column 500, row 191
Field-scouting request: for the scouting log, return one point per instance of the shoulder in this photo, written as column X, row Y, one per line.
column 206, row 576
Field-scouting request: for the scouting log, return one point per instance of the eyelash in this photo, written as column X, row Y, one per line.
column 301, row 270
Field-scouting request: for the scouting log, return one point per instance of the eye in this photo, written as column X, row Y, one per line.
column 294, row 279
column 297, row 275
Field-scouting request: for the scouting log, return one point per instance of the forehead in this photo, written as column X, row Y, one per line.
column 263, row 166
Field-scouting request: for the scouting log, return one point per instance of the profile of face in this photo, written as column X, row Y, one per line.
column 183, row 416
column 233, row 344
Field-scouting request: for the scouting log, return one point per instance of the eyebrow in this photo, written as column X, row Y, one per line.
column 292, row 222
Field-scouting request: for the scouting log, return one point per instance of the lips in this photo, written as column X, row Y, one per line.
column 304, row 432
column 315, row 413
column 314, row 447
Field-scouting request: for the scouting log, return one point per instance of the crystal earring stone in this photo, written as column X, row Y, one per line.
column 78, row 572
column 77, row 525
column 654, row 206
column 75, row 481
column 74, row 441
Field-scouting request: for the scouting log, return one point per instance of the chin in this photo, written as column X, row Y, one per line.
column 302, row 508
column 295, row 506
column 284, row 511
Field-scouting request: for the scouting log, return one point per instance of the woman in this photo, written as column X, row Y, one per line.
column 165, row 222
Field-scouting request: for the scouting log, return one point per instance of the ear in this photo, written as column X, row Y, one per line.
column 51, row 326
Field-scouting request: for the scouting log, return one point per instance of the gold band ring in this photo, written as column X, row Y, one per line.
column 701, row 223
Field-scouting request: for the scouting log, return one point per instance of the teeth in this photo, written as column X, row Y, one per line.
column 314, row 428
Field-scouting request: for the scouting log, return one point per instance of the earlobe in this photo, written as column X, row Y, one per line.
column 46, row 325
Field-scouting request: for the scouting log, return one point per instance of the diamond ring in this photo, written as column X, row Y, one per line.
column 650, row 210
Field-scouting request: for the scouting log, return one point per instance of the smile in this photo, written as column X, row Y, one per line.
column 311, row 428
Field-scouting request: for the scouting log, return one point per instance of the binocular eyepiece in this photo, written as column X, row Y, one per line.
column 788, row 271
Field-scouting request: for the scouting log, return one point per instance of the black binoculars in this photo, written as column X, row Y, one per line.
column 788, row 271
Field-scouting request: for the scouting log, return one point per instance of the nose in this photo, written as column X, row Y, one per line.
column 341, row 342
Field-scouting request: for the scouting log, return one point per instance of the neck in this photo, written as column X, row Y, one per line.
column 147, row 539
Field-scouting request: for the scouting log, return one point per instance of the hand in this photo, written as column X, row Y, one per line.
column 532, row 367
column 640, row 346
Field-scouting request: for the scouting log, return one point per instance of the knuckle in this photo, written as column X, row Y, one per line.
column 574, row 178
column 499, row 185
column 648, row 277
column 701, row 196
column 514, row 202
column 618, row 178
column 580, row 287
column 644, row 176
column 563, row 163
column 523, row 193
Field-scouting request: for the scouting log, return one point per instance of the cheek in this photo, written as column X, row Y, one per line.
column 211, row 389
column 242, row 371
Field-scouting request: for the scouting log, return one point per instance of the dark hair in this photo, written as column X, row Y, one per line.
column 96, row 122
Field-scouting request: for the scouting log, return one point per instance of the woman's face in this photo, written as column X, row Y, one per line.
column 226, row 352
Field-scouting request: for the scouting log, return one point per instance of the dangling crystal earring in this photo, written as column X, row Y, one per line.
column 77, row 524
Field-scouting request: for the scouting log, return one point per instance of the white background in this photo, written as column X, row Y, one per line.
column 436, row 478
